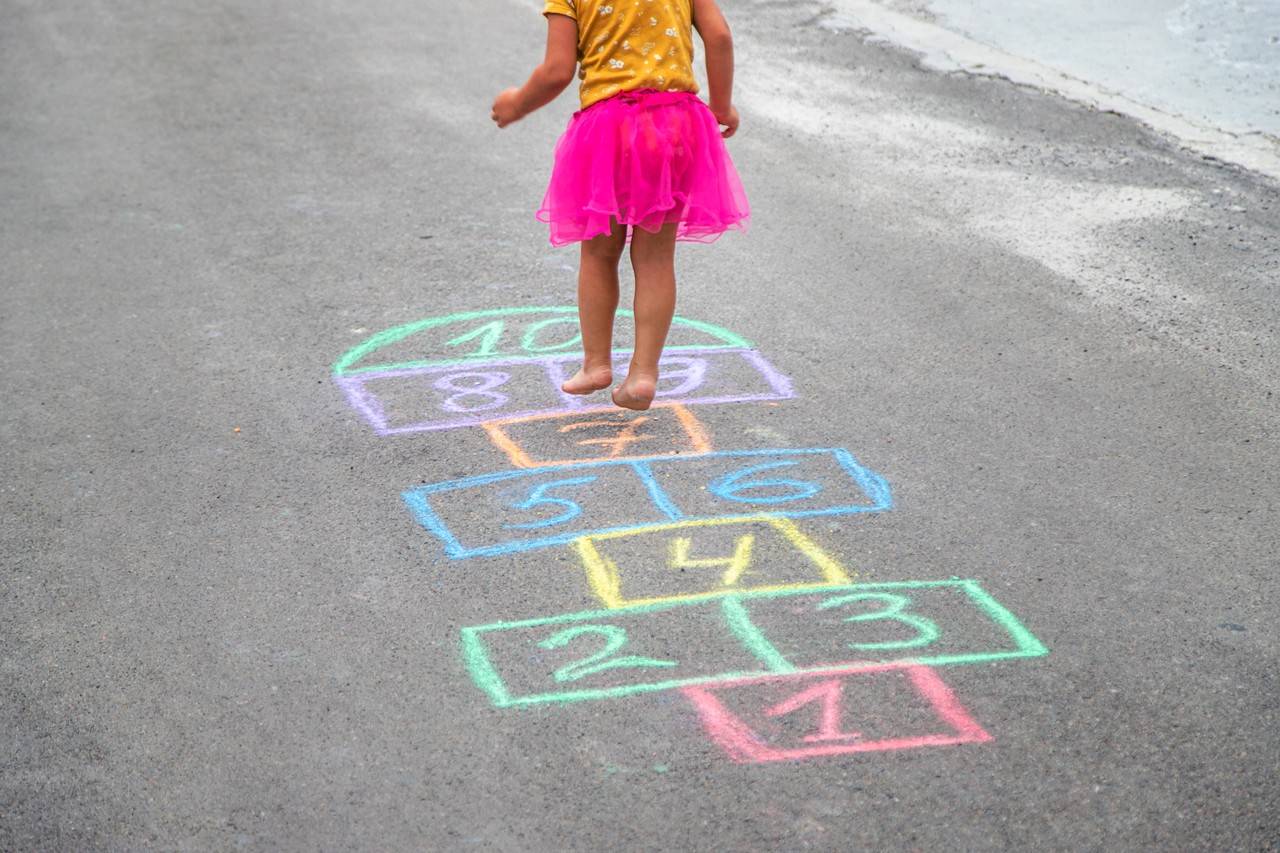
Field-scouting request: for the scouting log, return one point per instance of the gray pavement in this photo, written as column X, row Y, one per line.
column 1051, row 332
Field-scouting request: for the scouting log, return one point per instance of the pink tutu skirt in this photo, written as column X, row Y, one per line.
column 645, row 159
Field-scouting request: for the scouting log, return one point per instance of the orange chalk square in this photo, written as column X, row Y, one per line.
column 598, row 434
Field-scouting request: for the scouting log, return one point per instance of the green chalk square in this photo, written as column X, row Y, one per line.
column 759, row 656
column 930, row 623
column 606, row 653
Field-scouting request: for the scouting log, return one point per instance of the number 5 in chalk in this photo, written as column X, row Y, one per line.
column 537, row 497
column 615, row 638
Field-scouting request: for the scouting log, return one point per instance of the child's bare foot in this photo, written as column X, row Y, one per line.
column 636, row 392
column 588, row 380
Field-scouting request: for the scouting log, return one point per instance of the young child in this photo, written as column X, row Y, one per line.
column 643, row 161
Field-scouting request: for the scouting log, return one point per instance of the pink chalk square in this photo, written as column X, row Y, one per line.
column 836, row 712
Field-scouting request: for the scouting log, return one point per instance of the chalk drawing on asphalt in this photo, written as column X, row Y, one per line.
column 468, row 369
column 598, row 435
column 761, row 633
column 690, row 560
column 673, row 536
column 894, row 707
column 521, row 510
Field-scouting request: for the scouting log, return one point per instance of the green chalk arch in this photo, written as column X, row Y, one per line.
column 361, row 358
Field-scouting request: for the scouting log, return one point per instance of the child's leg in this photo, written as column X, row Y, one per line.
column 597, row 303
column 653, row 257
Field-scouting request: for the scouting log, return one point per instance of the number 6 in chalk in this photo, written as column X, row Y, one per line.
column 729, row 488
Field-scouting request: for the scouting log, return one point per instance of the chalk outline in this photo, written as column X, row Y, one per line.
column 604, row 577
column 343, row 366
column 873, row 486
column 744, row 746
column 367, row 404
column 694, row 430
column 486, row 677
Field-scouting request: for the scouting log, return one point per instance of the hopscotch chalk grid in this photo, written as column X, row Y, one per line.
column 675, row 537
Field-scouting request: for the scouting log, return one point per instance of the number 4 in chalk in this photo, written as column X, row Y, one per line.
column 734, row 567
column 830, row 695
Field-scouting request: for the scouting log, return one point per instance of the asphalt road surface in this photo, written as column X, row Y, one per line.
column 235, row 607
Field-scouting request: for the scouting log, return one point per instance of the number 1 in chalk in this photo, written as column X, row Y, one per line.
column 829, row 695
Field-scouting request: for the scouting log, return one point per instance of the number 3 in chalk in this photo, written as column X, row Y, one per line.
column 615, row 638
column 926, row 629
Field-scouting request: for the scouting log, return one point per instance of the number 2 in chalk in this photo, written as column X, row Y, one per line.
column 614, row 637
column 829, row 695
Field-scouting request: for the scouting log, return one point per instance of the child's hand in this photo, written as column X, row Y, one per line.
column 728, row 119
column 506, row 107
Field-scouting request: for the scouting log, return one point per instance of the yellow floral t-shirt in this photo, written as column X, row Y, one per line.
column 631, row 44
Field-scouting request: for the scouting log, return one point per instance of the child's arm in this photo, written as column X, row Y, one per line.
column 717, row 41
column 549, row 79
